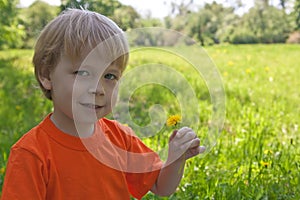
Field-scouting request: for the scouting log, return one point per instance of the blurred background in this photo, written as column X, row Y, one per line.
column 255, row 46
column 208, row 22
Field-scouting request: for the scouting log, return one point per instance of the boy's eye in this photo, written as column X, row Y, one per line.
column 82, row 73
column 110, row 76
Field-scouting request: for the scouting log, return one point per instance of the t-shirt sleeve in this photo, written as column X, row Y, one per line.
column 143, row 166
column 141, row 182
column 24, row 176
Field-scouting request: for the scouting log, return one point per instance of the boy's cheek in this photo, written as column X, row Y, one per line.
column 115, row 90
column 114, row 98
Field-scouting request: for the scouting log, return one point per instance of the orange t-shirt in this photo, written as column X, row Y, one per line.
column 51, row 165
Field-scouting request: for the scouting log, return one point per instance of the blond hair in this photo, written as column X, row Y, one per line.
column 70, row 33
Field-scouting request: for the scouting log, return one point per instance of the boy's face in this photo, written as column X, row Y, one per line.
column 84, row 91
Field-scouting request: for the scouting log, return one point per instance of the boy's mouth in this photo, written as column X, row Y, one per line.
column 91, row 106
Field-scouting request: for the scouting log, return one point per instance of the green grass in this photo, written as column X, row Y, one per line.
column 22, row 105
column 257, row 155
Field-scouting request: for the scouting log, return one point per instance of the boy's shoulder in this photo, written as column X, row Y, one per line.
column 32, row 140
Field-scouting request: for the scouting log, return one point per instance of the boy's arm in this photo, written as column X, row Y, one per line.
column 183, row 145
column 22, row 180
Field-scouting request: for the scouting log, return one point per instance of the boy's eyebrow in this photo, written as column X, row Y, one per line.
column 77, row 64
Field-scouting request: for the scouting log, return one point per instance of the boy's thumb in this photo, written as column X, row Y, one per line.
column 173, row 135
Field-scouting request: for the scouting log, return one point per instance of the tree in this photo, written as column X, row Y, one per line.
column 35, row 18
column 227, row 27
column 104, row 7
column 269, row 25
column 11, row 31
column 126, row 17
column 207, row 24
column 283, row 4
column 181, row 8
column 296, row 14
column 261, row 4
column 178, row 18
column 200, row 26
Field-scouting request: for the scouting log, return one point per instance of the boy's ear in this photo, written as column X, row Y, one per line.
column 46, row 82
column 44, row 78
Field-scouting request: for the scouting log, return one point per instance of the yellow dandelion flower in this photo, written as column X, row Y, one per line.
column 268, row 152
column 173, row 120
column 265, row 164
column 230, row 63
column 267, row 68
column 248, row 71
column 2, row 170
column 248, row 57
column 225, row 74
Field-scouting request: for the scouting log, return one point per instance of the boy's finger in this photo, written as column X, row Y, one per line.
column 202, row 149
column 195, row 143
column 183, row 131
column 187, row 137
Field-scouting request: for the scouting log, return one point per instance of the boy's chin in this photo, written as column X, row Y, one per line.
column 86, row 118
column 89, row 117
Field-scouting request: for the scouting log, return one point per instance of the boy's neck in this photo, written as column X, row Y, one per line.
column 78, row 130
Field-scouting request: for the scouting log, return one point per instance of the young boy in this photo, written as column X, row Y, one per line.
column 76, row 153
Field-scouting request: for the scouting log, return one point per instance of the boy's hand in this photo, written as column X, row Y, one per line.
column 184, row 143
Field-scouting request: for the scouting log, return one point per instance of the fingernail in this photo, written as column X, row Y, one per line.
column 202, row 149
column 179, row 134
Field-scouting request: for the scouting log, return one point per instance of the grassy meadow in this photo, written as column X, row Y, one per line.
column 257, row 155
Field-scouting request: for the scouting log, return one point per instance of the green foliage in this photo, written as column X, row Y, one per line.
column 11, row 31
column 22, row 105
column 257, row 154
column 296, row 14
column 268, row 25
column 35, row 18
column 126, row 17
column 215, row 23
column 241, row 36
column 211, row 24
column 200, row 26
column 203, row 24
column 104, row 7
column 150, row 22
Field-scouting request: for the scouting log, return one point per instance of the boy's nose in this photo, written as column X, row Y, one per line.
column 98, row 90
